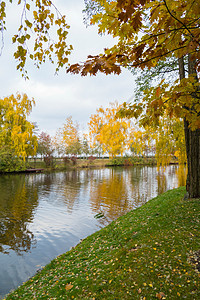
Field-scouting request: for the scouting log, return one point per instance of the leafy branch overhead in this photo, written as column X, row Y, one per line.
column 149, row 32
column 40, row 21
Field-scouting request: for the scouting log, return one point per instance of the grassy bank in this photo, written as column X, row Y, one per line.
column 150, row 253
column 58, row 163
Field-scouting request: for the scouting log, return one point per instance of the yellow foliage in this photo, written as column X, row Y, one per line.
column 108, row 131
column 169, row 141
column 67, row 136
column 171, row 30
column 141, row 141
column 15, row 130
column 41, row 22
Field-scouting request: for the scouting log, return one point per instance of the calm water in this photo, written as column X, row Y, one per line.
column 43, row 215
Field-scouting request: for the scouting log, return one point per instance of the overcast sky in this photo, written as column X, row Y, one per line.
column 60, row 96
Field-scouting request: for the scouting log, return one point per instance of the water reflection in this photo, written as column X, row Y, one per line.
column 112, row 192
column 162, row 181
column 181, row 175
column 17, row 204
column 43, row 215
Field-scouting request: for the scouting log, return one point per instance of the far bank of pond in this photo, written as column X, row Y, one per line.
column 43, row 215
column 59, row 164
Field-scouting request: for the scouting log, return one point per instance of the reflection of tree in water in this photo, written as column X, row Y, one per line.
column 142, row 184
column 109, row 195
column 59, row 187
column 14, row 235
column 17, row 202
column 181, row 174
column 171, row 176
column 162, row 181
column 71, row 188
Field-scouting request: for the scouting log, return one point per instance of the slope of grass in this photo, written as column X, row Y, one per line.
column 150, row 253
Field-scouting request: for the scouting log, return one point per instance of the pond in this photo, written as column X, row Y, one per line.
column 44, row 215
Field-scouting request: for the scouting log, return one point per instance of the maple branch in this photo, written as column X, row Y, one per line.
column 177, row 19
column 160, row 34
column 157, row 56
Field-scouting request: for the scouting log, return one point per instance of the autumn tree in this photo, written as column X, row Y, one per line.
column 148, row 32
column 169, row 140
column 40, row 35
column 108, row 131
column 165, row 140
column 141, row 141
column 16, row 132
column 68, row 137
column 58, row 144
column 45, row 144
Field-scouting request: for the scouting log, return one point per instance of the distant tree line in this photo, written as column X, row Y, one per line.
column 107, row 135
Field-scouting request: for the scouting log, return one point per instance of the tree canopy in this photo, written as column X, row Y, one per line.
column 148, row 32
column 16, row 132
column 108, row 131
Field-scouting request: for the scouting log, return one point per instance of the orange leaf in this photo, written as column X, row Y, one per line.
column 158, row 91
column 68, row 287
column 160, row 295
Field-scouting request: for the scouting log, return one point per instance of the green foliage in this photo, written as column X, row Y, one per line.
column 75, row 148
column 117, row 161
column 131, row 161
column 9, row 162
column 146, row 78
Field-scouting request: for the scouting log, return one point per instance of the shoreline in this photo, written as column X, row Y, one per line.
column 39, row 166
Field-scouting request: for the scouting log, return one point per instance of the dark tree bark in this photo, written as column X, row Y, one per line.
column 192, row 140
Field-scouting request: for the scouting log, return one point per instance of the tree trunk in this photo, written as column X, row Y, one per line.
column 192, row 141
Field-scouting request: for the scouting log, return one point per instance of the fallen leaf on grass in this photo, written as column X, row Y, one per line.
column 68, row 287
column 160, row 295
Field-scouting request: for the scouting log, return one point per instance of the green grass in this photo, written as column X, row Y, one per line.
column 131, row 161
column 85, row 163
column 150, row 253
